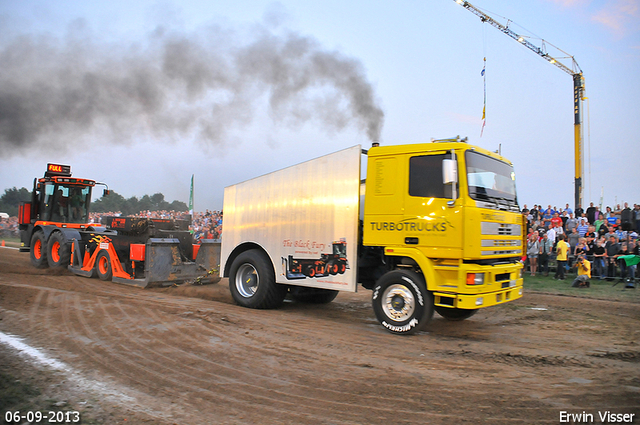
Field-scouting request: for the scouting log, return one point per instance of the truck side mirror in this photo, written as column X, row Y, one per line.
column 450, row 176
column 449, row 171
column 105, row 192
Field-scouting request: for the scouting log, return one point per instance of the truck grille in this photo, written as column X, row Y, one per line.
column 501, row 242
column 510, row 252
column 500, row 229
column 502, row 276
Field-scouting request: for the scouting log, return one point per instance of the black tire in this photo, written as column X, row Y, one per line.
column 311, row 271
column 38, row 251
column 401, row 302
column 252, row 281
column 455, row 314
column 303, row 294
column 103, row 265
column 342, row 267
column 58, row 251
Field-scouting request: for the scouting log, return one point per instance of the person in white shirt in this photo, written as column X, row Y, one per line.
column 551, row 235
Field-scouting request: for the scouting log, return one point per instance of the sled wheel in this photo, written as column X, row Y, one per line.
column 103, row 265
column 401, row 302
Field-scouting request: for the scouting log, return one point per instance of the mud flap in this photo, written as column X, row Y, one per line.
column 164, row 265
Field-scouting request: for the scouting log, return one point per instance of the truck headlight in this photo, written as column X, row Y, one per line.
column 475, row 278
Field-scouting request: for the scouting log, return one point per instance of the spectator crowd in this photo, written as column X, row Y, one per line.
column 603, row 238
column 204, row 225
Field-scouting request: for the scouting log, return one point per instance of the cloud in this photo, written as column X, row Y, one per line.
column 619, row 16
column 569, row 3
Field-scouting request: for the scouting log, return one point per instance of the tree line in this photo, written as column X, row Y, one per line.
column 11, row 199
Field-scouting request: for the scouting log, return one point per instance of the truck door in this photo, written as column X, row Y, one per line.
column 432, row 219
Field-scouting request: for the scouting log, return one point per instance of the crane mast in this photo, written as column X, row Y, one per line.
column 574, row 71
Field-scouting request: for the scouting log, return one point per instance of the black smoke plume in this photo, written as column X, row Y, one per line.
column 59, row 92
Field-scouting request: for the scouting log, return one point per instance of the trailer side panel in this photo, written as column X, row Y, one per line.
column 305, row 217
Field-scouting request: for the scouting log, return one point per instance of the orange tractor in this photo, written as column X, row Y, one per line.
column 55, row 229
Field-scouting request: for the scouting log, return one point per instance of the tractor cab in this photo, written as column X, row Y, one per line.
column 59, row 198
column 58, row 210
column 340, row 249
column 64, row 202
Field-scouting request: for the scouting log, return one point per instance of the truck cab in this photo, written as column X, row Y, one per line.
column 448, row 212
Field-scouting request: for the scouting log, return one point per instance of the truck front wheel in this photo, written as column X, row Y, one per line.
column 455, row 314
column 401, row 302
column 38, row 251
column 252, row 281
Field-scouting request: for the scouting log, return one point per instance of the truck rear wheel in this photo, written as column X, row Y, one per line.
column 38, row 252
column 252, row 281
column 58, row 250
column 455, row 314
column 312, row 295
column 401, row 302
column 103, row 266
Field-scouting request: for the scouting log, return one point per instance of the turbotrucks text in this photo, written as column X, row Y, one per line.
column 434, row 227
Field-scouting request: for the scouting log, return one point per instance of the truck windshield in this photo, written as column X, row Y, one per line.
column 490, row 179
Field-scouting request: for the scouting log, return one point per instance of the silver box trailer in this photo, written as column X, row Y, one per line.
column 301, row 222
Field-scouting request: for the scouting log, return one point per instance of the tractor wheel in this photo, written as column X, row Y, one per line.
column 38, row 250
column 455, row 314
column 252, row 281
column 312, row 295
column 342, row 267
column 103, row 266
column 332, row 268
column 58, row 251
column 401, row 302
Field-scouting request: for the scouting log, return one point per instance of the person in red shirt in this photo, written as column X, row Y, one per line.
column 556, row 220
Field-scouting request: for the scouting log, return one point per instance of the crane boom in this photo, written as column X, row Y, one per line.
column 574, row 71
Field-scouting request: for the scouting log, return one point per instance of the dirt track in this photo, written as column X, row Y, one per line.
column 189, row 355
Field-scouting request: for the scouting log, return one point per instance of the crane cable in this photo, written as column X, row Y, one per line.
column 589, row 146
column 484, row 80
column 484, row 107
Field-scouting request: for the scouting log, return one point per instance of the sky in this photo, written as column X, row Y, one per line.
column 143, row 95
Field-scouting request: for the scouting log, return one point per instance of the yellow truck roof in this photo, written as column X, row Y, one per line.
column 431, row 147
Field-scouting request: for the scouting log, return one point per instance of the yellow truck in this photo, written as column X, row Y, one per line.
column 433, row 227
